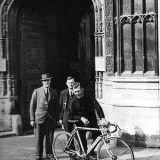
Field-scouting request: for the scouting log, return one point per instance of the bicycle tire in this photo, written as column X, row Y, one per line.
column 59, row 144
column 116, row 147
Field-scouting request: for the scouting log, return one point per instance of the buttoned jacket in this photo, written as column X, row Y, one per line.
column 64, row 101
column 40, row 107
column 85, row 107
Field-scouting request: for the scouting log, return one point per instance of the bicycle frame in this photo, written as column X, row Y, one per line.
column 98, row 139
column 104, row 141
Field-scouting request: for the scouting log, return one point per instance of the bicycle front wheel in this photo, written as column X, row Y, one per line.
column 114, row 149
column 62, row 149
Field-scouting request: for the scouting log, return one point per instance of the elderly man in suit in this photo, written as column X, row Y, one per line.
column 44, row 112
column 64, row 101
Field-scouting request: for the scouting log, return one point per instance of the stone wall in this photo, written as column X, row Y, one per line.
column 133, row 104
column 5, row 116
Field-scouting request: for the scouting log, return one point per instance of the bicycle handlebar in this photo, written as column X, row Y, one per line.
column 102, row 125
column 111, row 124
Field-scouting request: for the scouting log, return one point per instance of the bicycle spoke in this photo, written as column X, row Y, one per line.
column 116, row 149
column 60, row 148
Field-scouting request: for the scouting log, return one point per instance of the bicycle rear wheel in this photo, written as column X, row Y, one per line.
column 114, row 149
column 60, row 144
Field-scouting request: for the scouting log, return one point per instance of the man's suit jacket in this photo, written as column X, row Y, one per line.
column 40, row 107
column 63, row 101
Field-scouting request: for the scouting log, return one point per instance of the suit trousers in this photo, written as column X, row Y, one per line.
column 82, row 134
column 67, row 125
column 46, row 129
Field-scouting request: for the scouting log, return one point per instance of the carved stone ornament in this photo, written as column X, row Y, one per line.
column 4, row 14
column 109, row 35
column 148, row 17
column 109, row 63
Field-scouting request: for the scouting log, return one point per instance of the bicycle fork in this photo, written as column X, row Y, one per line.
column 108, row 149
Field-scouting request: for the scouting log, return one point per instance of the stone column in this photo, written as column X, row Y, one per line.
column 2, row 75
column 109, row 45
column 8, row 67
column 159, row 45
column 100, row 85
column 96, row 85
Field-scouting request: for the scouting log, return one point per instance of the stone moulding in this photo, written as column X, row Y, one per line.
column 4, row 12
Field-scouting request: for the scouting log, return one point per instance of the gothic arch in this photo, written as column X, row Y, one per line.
column 8, row 15
column 9, row 10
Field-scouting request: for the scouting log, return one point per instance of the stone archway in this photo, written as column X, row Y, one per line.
column 17, row 77
column 29, row 43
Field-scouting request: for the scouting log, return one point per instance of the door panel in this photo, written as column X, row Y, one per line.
column 32, row 59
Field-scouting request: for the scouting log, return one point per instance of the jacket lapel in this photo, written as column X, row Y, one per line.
column 65, row 98
column 42, row 91
column 66, row 95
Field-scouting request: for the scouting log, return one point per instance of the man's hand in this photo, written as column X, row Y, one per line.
column 32, row 123
column 103, row 121
column 60, row 121
column 85, row 121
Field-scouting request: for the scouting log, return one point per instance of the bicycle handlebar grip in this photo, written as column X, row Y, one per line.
column 73, row 121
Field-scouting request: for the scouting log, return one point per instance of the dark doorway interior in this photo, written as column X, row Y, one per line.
column 55, row 37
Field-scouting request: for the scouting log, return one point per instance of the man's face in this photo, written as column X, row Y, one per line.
column 46, row 83
column 78, row 92
column 70, row 83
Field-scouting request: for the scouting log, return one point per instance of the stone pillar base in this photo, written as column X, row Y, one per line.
column 17, row 125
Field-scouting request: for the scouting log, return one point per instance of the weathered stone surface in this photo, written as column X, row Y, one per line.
column 17, row 124
column 133, row 104
column 135, row 94
column 140, row 126
column 5, row 117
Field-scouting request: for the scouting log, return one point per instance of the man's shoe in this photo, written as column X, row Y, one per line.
column 50, row 156
column 92, row 155
column 38, row 158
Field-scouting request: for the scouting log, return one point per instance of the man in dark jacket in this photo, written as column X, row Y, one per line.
column 44, row 113
column 82, row 108
column 64, row 101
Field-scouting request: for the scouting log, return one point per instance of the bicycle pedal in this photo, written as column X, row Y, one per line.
column 92, row 157
column 107, row 141
column 73, row 155
column 114, row 157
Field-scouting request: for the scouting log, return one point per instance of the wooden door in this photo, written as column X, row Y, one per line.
column 32, row 58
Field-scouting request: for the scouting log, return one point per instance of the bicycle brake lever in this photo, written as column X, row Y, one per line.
column 118, row 127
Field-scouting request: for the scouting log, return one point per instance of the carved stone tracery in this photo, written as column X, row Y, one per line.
column 99, row 6
column 137, row 18
column 109, row 36
column 4, row 16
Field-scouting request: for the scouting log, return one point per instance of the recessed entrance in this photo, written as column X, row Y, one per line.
column 55, row 37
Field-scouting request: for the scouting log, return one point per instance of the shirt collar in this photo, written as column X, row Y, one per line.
column 45, row 89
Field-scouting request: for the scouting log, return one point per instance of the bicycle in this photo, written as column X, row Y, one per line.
column 109, row 147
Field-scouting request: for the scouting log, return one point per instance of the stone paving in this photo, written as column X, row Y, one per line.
column 23, row 148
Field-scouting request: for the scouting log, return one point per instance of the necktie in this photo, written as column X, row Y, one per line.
column 71, row 94
column 47, row 94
